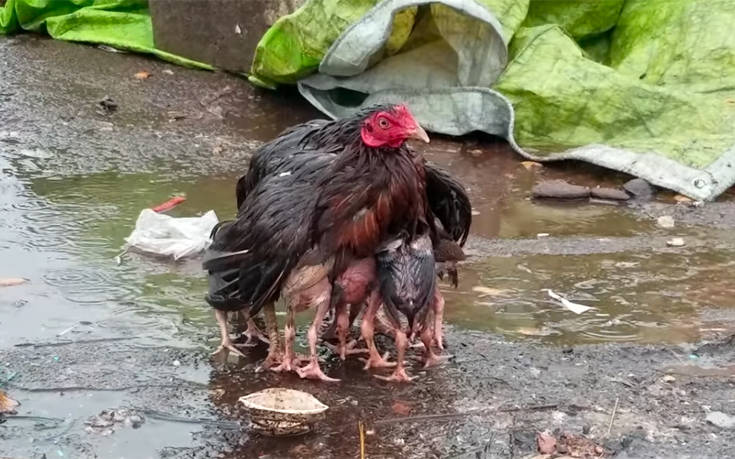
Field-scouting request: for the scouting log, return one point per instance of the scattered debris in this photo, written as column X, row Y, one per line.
column 162, row 234
column 487, row 291
column 721, row 420
column 401, row 408
column 142, row 75
column 168, row 71
column 7, row 404
column 546, row 443
column 170, row 204
column 574, row 307
column 612, row 416
column 665, row 221
column 639, row 188
column 609, row 194
column 110, row 420
column 11, row 281
column 278, row 411
column 560, row 189
column 542, row 235
column 675, row 242
column 107, row 105
column 529, row 165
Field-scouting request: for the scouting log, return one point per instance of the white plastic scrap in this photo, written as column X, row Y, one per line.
column 574, row 307
column 162, row 234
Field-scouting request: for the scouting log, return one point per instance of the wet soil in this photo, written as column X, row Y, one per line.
column 85, row 335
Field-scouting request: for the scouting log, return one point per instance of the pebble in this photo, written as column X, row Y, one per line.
column 676, row 242
column 665, row 221
column 560, row 189
column 609, row 193
column 176, row 363
column 639, row 188
column 721, row 420
column 669, row 379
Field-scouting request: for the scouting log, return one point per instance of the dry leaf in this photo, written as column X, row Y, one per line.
column 487, row 291
column 574, row 307
column 7, row 404
column 11, row 281
column 401, row 408
column 142, row 75
column 546, row 443
column 531, row 165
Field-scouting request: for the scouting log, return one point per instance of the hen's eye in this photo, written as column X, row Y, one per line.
column 383, row 123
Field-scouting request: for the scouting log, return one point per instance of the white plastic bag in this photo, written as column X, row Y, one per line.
column 169, row 236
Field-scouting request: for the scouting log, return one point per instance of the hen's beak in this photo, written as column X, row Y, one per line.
column 419, row 134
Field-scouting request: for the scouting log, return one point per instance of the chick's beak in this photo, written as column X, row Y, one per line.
column 418, row 133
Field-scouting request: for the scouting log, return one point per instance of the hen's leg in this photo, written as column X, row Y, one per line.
column 226, row 345
column 275, row 352
column 343, row 325
column 289, row 333
column 438, row 307
column 399, row 374
column 313, row 370
column 430, row 358
column 367, row 328
column 253, row 333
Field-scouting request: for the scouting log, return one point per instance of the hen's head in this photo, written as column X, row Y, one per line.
column 390, row 127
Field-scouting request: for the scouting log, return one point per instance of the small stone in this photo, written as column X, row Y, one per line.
column 665, row 221
column 669, row 379
column 609, row 193
column 639, row 188
column 176, row 363
column 542, row 235
column 675, row 242
column 721, row 420
column 560, row 189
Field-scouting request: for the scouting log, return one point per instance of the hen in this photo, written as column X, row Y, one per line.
column 298, row 228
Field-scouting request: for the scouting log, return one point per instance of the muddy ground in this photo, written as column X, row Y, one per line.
column 639, row 377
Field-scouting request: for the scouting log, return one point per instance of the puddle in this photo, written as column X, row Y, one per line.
column 73, row 183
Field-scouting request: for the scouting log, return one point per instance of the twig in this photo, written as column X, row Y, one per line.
column 361, row 427
column 435, row 417
column 612, row 417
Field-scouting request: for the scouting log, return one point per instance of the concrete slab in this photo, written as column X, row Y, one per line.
column 223, row 33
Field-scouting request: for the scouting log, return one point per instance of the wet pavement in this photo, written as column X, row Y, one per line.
column 85, row 334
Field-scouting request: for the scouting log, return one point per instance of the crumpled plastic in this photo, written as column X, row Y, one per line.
column 163, row 235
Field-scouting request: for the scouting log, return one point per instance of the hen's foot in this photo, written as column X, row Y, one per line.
column 376, row 361
column 225, row 348
column 314, row 371
column 399, row 375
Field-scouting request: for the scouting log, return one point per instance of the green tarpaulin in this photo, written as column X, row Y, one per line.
column 124, row 24
column 642, row 86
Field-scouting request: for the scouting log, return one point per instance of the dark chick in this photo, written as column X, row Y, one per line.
column 407, row 277
column 298, row 228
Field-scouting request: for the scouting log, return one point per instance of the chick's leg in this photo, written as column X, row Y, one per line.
column 438, row 307
column 367, row 328
column 253, row 333
column 289, row 333
column 275, row 352
column 226, row 345
column 399, row 374
column 313, row 370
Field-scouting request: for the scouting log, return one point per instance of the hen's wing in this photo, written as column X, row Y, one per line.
column 251, row 257
column 449, row 202
column 273, row 157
